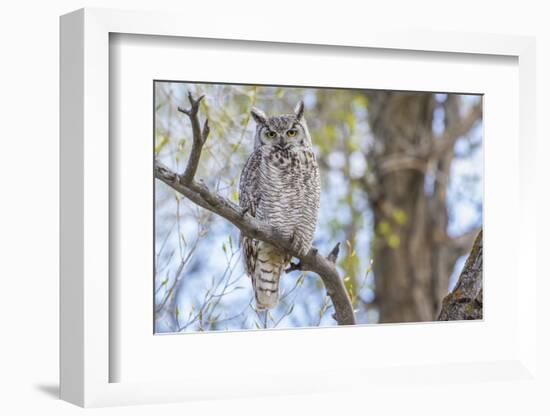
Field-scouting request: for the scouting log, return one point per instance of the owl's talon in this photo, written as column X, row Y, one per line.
column 294, row 266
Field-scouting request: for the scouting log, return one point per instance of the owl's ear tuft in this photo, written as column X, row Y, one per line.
column 259, row 115
column 299, row 110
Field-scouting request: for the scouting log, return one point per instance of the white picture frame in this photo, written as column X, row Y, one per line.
column 86, row 356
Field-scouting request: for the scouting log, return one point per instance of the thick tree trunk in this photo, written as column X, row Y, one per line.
column 413, row 255
column 466, row 300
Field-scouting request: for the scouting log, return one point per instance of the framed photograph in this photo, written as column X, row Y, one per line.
column 273, row 206
column 379, row 171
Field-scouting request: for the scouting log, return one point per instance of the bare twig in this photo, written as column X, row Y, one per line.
column 201, row 195
column 333, row 255
column 177, row 277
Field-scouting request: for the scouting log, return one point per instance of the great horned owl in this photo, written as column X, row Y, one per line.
column 279, row 185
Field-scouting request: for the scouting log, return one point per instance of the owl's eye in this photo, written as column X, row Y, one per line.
column 270, row 134
column 291, row 133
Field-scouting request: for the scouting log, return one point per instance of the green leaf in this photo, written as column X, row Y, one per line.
column 352, row 146
column 393, row 240
column 384, row 227
column 399, row 216
column 362, row 101
column 369, row 269
column 161, row 142
column 181, row 144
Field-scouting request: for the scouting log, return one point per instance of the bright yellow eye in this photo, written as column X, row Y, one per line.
column 291, row 133
column 270, row 134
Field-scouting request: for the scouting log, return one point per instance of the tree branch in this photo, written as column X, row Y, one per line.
column 459, row 246
column 466, row 299
column 401, row 161
column 462, row 244
column 201, row 195
column 199, row 137
column 446, row 141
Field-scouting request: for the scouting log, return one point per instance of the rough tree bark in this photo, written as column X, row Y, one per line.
column 413, row 254
column 201, row 195
column 466, row 300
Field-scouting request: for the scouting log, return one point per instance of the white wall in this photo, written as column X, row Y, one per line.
column 29, row 56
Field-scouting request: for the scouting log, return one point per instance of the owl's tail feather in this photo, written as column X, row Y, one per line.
column 270, row 263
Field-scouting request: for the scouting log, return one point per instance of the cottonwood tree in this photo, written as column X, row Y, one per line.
column 404, row 145
column 414, row 254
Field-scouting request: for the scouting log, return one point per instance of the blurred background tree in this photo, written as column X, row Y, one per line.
column 401, row 186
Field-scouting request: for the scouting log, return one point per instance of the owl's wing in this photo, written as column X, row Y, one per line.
column 248, row 199
column 248, row 184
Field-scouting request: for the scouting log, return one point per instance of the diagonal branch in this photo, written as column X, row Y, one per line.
column 200, row 194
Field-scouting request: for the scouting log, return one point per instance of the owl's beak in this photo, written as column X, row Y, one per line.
column 281, row 143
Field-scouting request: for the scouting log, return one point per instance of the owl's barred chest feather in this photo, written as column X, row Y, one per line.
column 288, row 186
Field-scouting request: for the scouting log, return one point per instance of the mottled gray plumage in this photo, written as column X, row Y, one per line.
column 279, row 185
